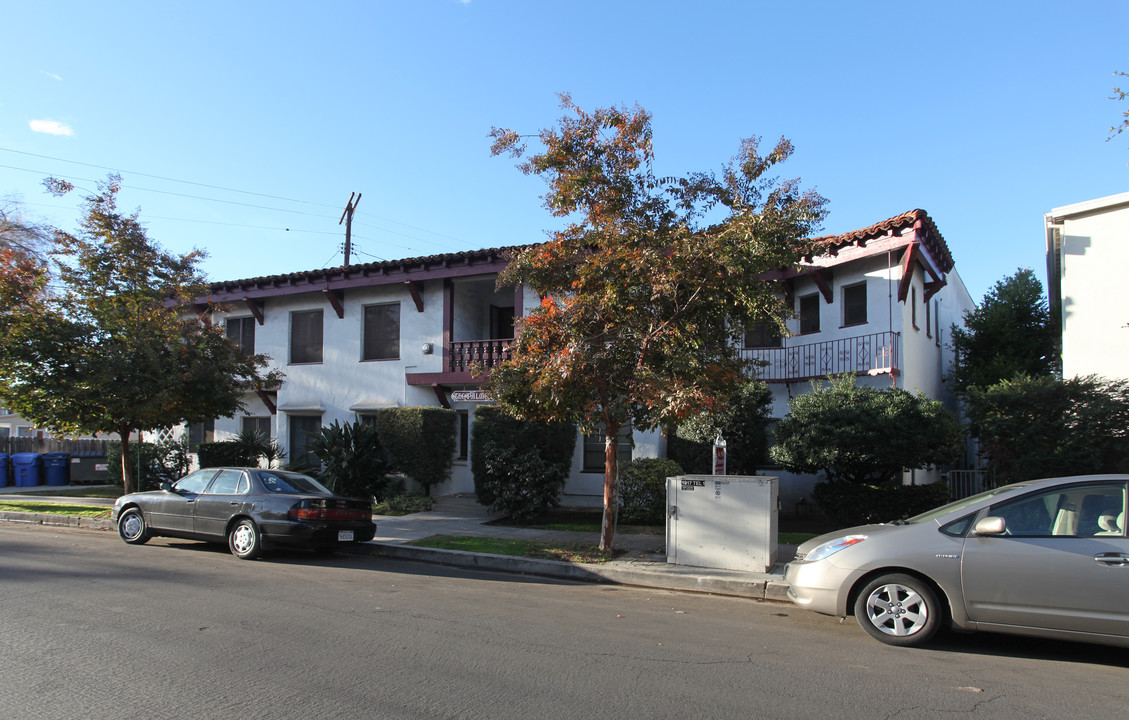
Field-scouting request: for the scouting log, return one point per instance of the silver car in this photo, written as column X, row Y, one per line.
column 1048, row 558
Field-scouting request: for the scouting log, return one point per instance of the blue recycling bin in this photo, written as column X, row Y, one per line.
column 57, row 468
column 27, row 469
column 4, row 469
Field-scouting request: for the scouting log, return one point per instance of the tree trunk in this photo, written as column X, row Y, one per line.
column 611, row 459
column 127, row 464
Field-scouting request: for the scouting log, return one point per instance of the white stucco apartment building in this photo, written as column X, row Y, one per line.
column 355, row 339
column 1086, row 244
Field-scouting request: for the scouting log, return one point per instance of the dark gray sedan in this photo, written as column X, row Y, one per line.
column 1048, row 558
column 251, row 509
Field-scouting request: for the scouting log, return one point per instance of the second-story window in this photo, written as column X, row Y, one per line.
column 382, row 332
column 854, row 304
column 809, row 314
column 762, row 335
column 241, row 333
column 305, row 336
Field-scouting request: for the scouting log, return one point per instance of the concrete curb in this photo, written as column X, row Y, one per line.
column 642, row 574
column 56, row 520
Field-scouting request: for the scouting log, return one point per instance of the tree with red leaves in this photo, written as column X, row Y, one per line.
column 648, row 288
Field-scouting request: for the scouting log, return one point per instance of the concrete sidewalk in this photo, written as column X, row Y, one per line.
column 643, row 564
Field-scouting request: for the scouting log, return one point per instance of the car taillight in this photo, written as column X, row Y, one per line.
column 305, row 511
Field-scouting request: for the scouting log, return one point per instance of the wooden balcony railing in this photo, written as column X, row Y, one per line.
column 867, row 354
column 464, row 355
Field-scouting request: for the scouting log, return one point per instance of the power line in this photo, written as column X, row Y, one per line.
column 159, row 177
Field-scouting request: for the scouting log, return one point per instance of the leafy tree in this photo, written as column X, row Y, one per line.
column 23, row 259
column 112, row 349
column 643, row 298
column 864, row 435
column 1011, row 333
column 1032, row 427
column 743, row 422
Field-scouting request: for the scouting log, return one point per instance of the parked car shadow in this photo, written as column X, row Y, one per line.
column 1017, row 646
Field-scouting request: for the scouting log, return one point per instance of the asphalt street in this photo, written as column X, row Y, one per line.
column 93, row 628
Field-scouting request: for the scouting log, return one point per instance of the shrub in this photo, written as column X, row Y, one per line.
column 861, row 504
column 743, row 420
column 420, row 442
column 158, row 462
column 642, row 490
column 226, row 453
column 408, row 504
column 521, row 483
column 696, row 458
column 494, row 432
column 352, row 460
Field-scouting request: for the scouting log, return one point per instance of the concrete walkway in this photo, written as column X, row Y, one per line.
column 643, row 564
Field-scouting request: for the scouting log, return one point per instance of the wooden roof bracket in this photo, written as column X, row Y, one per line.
column 414, row 291
column 336, row 299
column 256, row 308
column 907, row 270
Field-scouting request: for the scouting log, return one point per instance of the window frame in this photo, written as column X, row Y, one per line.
column 244, row 324
column 854, row 302
column 811, row 302
column 366, row 356
column 314, row 357
column 595, row 440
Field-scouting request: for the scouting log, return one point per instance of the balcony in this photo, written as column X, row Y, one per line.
column 461, row 360
column 464, row 355
column 875, row 354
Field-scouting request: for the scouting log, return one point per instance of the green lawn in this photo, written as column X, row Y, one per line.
column 52, row 508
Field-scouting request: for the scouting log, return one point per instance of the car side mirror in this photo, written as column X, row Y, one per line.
column 167, row 487
column 990, row 525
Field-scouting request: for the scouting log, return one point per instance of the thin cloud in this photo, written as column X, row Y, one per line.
column 52, row 75
column 50, row 127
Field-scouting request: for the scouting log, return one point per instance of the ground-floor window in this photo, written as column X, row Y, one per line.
column 594, row 449
column 302, row 427
column 462, row 435
column 256, row 425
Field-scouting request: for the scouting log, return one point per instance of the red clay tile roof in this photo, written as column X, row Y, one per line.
column 489, row 256
column 930, row 235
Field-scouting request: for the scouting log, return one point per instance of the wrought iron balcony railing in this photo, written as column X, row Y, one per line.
column 864, row 355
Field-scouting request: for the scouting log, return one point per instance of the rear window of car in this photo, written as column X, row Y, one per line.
column 278, row 482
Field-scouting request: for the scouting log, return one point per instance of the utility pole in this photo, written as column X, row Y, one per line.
column 347, row 218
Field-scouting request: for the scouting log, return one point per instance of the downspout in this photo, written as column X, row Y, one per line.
column 890, row 311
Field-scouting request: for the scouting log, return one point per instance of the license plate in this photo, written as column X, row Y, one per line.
column 344, row 536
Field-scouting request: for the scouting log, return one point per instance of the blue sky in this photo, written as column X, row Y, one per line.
column 241, row 128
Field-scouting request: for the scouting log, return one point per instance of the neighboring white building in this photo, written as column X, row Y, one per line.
column 405, row 333
column 1085, row 243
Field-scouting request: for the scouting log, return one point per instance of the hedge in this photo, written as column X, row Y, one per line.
column 420, row 442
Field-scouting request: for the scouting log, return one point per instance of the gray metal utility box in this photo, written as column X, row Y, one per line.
column 722, row 521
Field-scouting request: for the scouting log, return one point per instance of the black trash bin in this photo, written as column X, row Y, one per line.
column 27, row 469
column 57, row 468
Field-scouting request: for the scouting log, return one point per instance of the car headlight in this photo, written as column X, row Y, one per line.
column 828, row 549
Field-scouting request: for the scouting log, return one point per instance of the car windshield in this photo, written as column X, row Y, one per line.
column 287, row 482
column 966, row 502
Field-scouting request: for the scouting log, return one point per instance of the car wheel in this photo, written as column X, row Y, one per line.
column 898, row 610
column 132, row 527
column 244, row 540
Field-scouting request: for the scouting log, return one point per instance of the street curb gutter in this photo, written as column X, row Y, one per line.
column 701, row 580
column 642, row 574
column 56, row 520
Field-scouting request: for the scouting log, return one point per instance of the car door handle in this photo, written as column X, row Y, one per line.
column 1112, row 558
